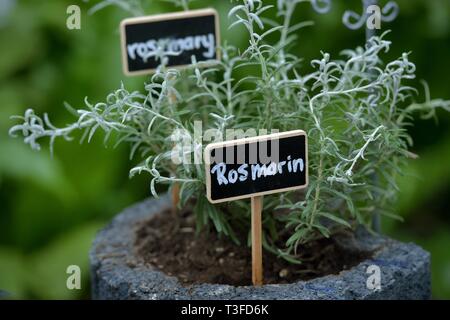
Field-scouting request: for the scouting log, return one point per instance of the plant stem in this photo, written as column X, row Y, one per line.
column 317, row 192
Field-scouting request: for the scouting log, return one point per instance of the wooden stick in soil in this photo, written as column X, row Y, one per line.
column 257, row 268
column 175, row 196
column 176, row 185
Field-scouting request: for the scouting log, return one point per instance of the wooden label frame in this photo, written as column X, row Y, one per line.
column 234, row 143
column 165, row 18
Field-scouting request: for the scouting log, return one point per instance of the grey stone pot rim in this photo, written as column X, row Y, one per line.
column 118, row 273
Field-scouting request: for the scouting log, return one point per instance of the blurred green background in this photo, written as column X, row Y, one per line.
column 52, row 208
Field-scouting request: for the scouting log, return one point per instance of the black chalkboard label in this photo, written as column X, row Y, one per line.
column 180, row 35
column 250, row 167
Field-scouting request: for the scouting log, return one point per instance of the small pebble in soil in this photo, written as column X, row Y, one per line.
column 283, row 273
column 220, row 249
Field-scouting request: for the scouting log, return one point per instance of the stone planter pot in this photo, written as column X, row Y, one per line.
column 117, row 273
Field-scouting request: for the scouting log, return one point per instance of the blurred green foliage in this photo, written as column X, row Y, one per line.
column 51, row 208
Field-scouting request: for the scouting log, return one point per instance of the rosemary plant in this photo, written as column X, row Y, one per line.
column 355, row 109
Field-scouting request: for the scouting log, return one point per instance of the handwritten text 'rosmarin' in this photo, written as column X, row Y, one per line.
column 146, row 50
column 256, row 170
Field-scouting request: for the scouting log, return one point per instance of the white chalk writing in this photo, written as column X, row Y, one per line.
column 148, row 49
column 256, row 171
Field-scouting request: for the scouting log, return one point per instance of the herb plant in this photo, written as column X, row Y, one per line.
column 355, row 109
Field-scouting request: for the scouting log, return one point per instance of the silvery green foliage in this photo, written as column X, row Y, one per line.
column 355, row 110
column 134, row 7
column 183, row 4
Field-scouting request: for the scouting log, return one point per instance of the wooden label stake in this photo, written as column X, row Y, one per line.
column 176, row 185
column 189, row 33
column 257, row 267
column 175, row 195
column 240, row 169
